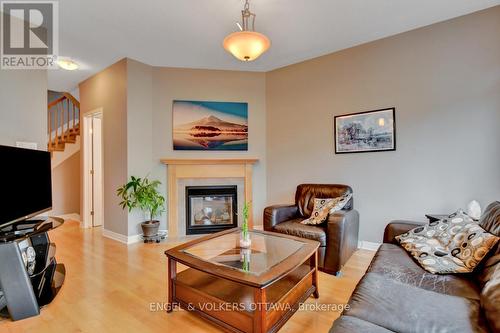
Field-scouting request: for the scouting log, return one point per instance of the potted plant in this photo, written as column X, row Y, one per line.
column 143, row 193
column 245, row 240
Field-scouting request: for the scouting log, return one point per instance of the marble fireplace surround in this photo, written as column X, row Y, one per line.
column 203, row 172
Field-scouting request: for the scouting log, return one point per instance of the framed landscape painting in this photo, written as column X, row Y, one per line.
column 210, row 125
column 368, row 131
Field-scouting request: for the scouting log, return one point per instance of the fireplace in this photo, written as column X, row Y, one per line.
column 210, row 209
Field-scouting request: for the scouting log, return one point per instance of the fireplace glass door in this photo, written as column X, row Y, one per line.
column 210, row 209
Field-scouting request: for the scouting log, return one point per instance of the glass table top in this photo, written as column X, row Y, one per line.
column 265, row 251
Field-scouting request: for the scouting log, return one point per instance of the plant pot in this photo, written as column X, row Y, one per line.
column 150, row 228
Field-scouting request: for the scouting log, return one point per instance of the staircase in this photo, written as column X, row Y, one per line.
column 63, row 122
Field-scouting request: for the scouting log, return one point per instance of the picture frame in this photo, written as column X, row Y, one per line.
column 365, row 132
column 210, row 125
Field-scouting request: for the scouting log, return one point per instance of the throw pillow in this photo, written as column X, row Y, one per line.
column 452, row 245
column 339, row 205
column 324, row 206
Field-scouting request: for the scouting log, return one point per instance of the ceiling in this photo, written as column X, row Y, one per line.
column 189, row 33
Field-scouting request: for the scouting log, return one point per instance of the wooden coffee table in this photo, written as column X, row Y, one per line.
column 243, row 290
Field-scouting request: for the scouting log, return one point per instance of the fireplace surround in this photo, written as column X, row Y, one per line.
column 183, row 172
column 211, row 209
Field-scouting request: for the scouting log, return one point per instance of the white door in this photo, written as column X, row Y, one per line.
column 93, row 205
column 97, row 184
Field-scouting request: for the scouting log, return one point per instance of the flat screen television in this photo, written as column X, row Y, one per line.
column 26, row 184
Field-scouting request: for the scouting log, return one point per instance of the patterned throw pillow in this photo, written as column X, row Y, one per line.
column 452, row 245
column 323, row 207
column 339, row 205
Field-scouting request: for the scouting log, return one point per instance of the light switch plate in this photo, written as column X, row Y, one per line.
column 27, row 145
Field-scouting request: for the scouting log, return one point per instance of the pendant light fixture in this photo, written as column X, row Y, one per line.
column 67, row 64
column 247, row 44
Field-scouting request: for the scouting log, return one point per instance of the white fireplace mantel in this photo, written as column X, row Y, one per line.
column 182, row 168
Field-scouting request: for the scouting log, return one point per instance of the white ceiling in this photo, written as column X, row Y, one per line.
column 189, row 33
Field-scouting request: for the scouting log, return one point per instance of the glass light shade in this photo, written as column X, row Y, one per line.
column 67, row 64
column 246, row 45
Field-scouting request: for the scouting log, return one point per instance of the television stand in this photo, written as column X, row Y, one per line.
column 34, row 277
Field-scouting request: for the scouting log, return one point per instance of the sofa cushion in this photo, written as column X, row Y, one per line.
column 490, row 300
column 348, row 324
column 395, row 263
column 404, row 308
column 487, row 268
column 452, row 245
column 295, row 228
column 490, row 221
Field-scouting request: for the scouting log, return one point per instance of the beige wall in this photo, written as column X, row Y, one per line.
column 23, row 107
column 137, row 116
column 139, row 129
column 211, row 85
column 66, row 186
column 108, row 90
column 444, row 81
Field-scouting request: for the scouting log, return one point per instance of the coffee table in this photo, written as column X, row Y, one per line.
column 243, row 290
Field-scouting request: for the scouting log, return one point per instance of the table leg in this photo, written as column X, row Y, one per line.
column 171, row 274
column 259, row 320
column 314, row 266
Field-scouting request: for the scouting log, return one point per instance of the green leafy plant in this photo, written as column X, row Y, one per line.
column 142, row 193
column 244, row 226
column 246, row 260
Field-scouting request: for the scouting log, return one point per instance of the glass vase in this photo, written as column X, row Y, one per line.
column 245, row 240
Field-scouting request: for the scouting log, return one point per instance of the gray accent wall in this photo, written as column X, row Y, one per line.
column 444, row 81
column 23, row 107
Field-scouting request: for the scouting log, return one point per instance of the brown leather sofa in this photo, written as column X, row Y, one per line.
column 338, row 236
column 397, row 295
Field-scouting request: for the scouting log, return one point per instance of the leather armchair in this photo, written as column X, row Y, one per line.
column 338, row 236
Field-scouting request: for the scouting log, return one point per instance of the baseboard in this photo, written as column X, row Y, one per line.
column 73, row 217
column 134, row 239
column 115, row 236
column 365, row 245
column 122, row 238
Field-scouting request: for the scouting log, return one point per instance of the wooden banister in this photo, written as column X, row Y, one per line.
column 56, row 101
column 63, row 115
column 72, row 99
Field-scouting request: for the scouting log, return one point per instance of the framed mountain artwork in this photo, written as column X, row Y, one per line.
column 210, row 125
column 364, row 132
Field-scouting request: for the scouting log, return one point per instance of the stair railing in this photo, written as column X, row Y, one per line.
column 63, row 121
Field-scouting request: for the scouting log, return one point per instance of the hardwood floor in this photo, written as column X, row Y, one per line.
column 110, row 287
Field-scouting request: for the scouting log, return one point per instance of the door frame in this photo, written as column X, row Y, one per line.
column 87, row 156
